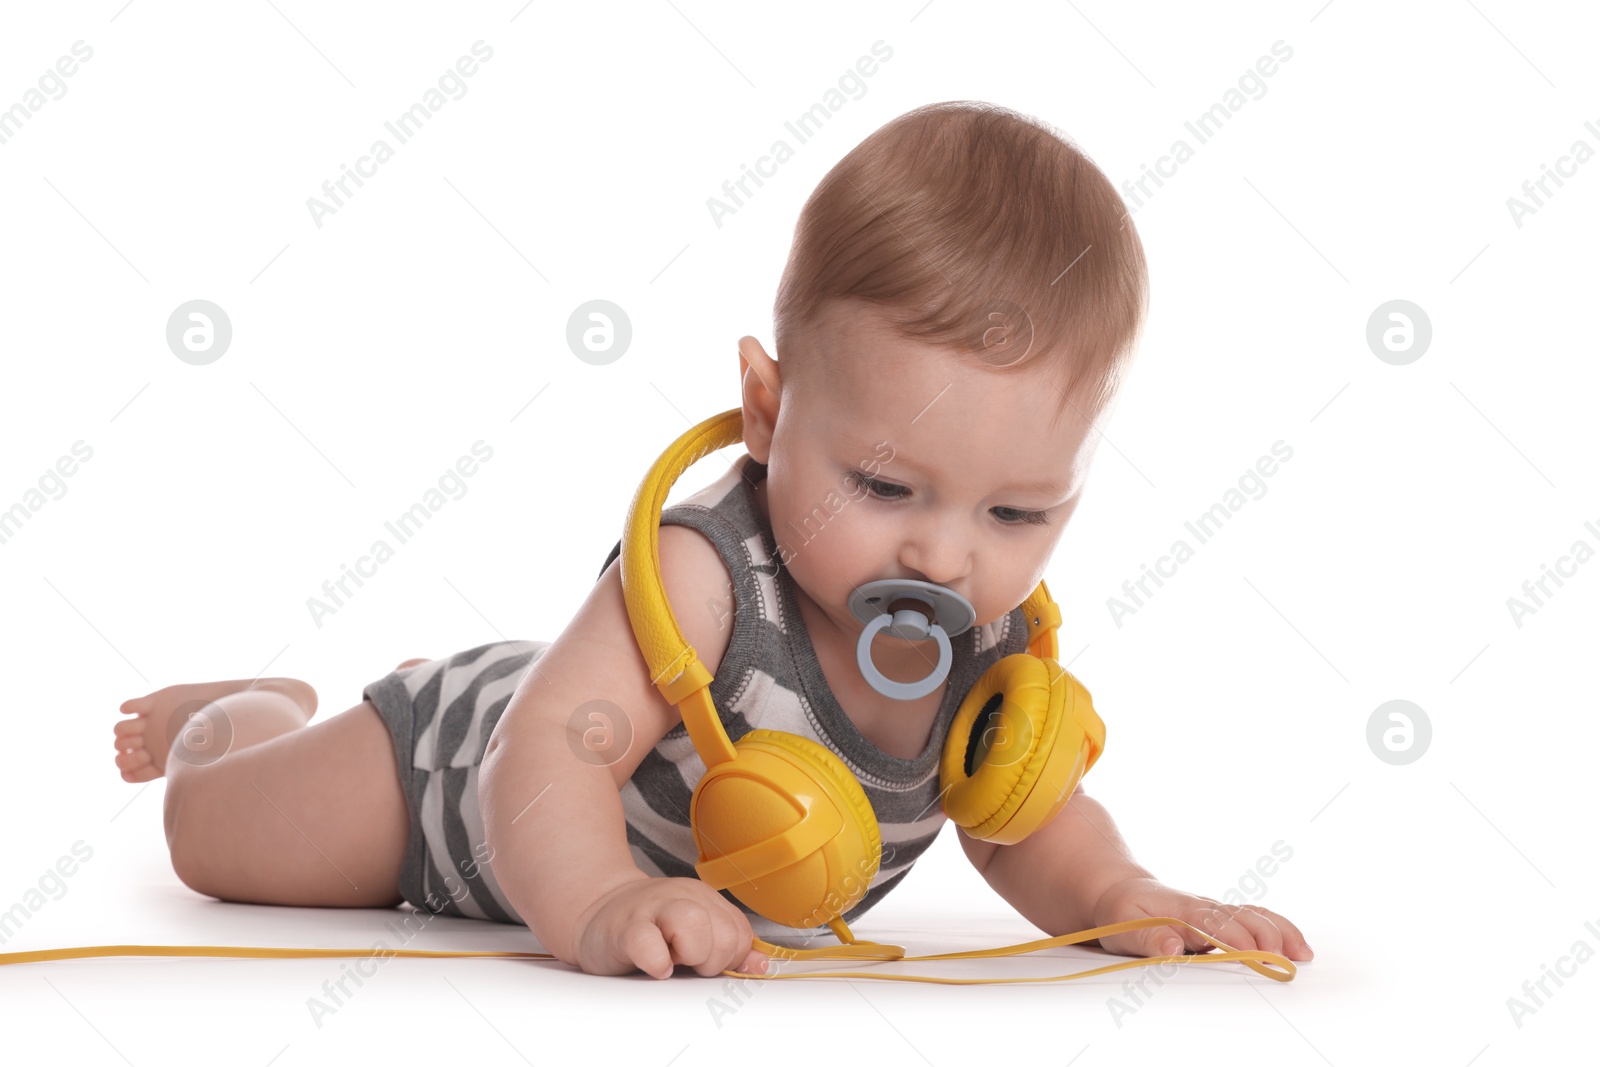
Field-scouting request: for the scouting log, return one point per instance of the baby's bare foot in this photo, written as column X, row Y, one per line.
column 143, row 741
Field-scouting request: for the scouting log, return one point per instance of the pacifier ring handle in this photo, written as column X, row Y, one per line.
column 906, row 619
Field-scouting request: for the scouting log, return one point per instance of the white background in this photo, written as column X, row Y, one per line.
column 426, row 314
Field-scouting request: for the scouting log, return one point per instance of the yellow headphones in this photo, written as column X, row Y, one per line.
column 781, row 822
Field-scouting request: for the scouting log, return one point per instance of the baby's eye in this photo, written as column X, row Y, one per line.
column 1015, row 517
column 882, row 490
column 891, row 491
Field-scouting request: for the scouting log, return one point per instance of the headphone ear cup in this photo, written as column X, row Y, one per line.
column 1022, row 739
column 787, row 829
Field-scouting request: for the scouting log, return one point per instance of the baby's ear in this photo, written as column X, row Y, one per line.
column 760, row 386
column 753, row 356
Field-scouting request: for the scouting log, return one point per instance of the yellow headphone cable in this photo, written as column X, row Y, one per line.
column 1268, row 964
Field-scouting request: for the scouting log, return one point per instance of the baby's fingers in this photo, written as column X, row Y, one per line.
column 1247, row 927
column 1221, row 921
column 644, row 946
column 694, row 936
column 1149, row 941
column 1286, row 938
column 730, row 941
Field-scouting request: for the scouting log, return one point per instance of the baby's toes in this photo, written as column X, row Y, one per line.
column 136, row 765
column 130, row 730
column 132, row 752
column 129, row 735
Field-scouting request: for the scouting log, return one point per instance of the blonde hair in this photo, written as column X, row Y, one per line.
column 977, row 229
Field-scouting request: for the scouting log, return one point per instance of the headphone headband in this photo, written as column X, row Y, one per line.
column 666, row 652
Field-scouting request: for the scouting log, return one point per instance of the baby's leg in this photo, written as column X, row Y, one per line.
column 261, row 808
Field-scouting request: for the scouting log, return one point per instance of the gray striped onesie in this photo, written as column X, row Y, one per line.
column 769, row 678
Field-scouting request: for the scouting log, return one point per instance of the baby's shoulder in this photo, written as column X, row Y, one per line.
column 699, row 588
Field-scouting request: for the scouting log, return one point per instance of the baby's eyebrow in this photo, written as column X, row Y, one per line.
column 1051, row 487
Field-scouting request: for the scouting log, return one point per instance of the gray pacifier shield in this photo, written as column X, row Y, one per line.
column 871, row 603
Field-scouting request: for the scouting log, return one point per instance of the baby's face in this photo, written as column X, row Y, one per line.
column 895, row 459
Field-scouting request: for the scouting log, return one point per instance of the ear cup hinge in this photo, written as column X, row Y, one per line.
column 704, row 725
column 1043, row 618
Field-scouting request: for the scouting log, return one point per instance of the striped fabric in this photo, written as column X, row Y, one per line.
column 769, row 678
column 438, row 753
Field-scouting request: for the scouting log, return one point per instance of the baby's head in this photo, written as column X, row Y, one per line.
column 961, row 300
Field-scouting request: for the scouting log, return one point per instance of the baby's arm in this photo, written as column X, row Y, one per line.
column 1076, row 873
column 553, row 818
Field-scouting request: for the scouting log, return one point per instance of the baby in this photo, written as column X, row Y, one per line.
column 959, row 306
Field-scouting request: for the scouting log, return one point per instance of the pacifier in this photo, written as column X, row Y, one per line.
column 913, row 610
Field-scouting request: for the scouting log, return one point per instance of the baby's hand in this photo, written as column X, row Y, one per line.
column 653, row 923
column 1239, row 926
